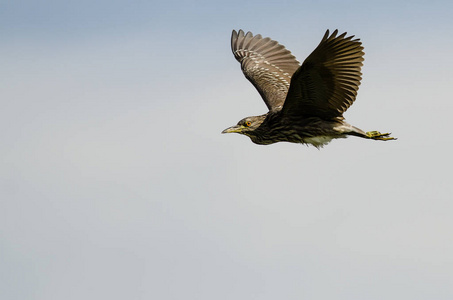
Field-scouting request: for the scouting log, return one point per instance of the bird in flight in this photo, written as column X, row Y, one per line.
column 306, row 102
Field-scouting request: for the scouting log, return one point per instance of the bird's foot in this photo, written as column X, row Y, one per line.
column 376, row 135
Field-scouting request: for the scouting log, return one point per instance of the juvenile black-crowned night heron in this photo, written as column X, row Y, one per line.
column 306, row 103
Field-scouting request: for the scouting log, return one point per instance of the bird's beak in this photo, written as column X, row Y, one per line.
column 235, row 128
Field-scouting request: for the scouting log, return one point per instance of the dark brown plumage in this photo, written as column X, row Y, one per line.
column 306, row 103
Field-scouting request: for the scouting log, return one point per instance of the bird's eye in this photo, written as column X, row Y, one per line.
column 248, row 123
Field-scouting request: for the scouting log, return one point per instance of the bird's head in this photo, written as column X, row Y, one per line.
column 246, row 126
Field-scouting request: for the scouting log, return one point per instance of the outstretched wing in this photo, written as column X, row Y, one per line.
column 327, row 82
column 266, row 63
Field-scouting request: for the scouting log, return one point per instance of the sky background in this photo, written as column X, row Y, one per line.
column 115, row 182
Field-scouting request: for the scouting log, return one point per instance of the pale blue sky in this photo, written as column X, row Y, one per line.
column 115, row 182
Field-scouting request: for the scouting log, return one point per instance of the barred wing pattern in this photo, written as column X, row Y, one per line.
column 326, row 84
column 266, row 64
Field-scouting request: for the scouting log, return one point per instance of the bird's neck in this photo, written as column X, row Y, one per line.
column 268, row 128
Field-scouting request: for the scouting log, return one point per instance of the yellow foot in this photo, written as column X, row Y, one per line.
column 376, row 135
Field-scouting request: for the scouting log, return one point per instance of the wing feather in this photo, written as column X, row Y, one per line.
column 266, row 64
column 326, row 84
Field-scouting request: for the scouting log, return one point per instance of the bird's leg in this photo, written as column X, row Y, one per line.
column 376, row 135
